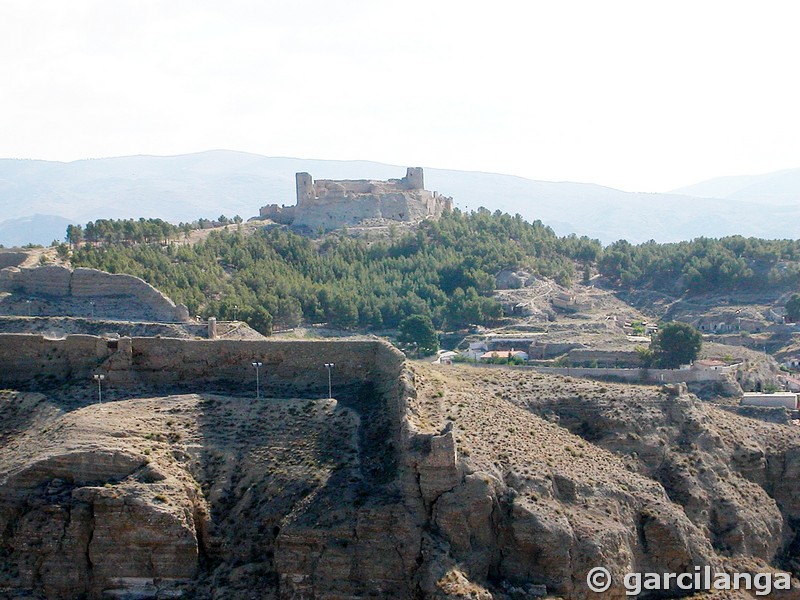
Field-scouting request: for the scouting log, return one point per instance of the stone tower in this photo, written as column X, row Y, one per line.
column 305, row 187
column 414, row 178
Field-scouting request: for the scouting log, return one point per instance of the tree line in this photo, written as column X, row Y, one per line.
column 733, row 263
column 275, row 278
column 444, row 270
column 141, row 231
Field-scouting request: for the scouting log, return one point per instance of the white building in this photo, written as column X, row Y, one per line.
column 776, row 400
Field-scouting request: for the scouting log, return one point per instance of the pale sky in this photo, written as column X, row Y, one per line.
column 638, row 95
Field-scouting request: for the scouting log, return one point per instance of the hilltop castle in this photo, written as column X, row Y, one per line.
column 330, row 204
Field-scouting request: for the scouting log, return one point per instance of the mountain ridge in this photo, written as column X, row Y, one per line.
column 776, row 188
column 185, row 187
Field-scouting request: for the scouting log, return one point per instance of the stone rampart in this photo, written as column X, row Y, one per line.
column 47, row 281
column 378, row 539
column 86, row 291
column 296, row 368
column 279, row 214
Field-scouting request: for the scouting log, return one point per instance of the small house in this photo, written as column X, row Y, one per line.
column 712, row 364
column 791, row 362
column 790, row 383
column 446, row 357
column 564, row 301
column 504, row 355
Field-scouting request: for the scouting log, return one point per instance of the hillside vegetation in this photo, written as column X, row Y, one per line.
column 445, row 270
column 703, row 265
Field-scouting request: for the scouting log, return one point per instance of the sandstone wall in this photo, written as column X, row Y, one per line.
column 33, row 359
column 114, row 295
column 337, row 210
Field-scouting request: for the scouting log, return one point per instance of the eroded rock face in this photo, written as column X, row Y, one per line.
column 733, row 477
column 508, row 279
column 407, row 486
column 69, row 536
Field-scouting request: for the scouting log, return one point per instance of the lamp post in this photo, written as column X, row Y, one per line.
column 28, row 302
column 257, row 366
column 91, row 303
column 99, row 380
column 235, row 311
column 329, row 366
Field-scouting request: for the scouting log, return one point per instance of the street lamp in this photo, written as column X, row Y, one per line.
column 91, row 303
column 235, row 311
column 329, row 366
column 257, row 366
column 99, row 380
column 28, row 302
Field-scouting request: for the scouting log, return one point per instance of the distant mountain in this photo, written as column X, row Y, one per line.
column 208, row 184
column 36, row 229
column 778, row 188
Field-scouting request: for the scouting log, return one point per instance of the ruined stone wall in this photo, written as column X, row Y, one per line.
column 279, row 214
column 379, row 538
column 34, row 359
column 331, row 204
column 583, row 356
column 324, row 187
column 289, row 367
column 11, row 259
column 69, row 292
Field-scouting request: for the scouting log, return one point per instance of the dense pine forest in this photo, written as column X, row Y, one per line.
column 444, row 269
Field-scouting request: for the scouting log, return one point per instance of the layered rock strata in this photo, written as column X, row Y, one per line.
column 409, row 483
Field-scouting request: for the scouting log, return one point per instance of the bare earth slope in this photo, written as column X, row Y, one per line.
column 173, row 482
column 473, row 483
column 687, row 483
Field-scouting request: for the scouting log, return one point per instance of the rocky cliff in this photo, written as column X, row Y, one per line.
column 412, row 482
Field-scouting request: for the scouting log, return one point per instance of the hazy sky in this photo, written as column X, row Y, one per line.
column 639, row 95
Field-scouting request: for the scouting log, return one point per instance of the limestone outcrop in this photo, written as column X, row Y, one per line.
column 55, row 290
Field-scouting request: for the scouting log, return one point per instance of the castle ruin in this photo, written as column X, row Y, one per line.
column 329, row 204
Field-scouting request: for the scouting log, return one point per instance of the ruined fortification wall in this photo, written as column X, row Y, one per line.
column 67, row 292
column 373, row 546
column 12, row 259
column 289, row 367
column 330, row 204
column 638, row 375
column 33, row 358
column 279, row 214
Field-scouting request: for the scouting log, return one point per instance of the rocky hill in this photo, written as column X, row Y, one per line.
column 414, row 481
